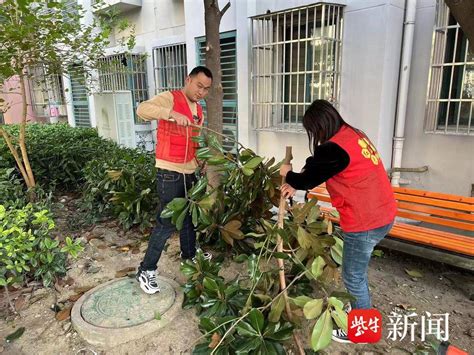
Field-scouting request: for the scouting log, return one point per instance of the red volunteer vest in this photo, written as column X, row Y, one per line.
column 171, row 139
column 361, row 193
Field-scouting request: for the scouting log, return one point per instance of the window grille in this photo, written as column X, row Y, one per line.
column 169, row 67
column 125, row 72
column 450, row 99
column 296, row 58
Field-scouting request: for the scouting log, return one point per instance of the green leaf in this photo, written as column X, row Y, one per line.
column 180, row 219
column 280, row 255
column 300, row 301
column 336, row 251
column 313, row 308
column 304, row 238
column 340, row 317
column 333, row 301
column 277, row 307
column 177, row 204
column 210, row 284
column 414, row 273
column 322, row 332
column 253, row 163
column 15, row 335
column 256, row 320
column 317, row 266
column 247, row 172
column 157, row 315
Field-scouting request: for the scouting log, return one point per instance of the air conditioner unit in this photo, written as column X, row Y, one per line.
column 115, row 119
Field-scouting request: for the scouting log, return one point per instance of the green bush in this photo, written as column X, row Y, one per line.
column 58, row 153
column 124, row 186
column 27, row 249
column 12, row 189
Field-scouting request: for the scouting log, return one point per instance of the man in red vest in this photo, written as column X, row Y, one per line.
column 176, row 164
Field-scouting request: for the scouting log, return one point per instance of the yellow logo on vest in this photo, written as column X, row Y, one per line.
column 369, row 151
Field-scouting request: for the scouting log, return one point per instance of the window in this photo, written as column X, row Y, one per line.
column 229, row 84
column 125, row 72
column 450, row 101
column 169, row 67
column 79, row 94
column 296, row 58
column 46, row 92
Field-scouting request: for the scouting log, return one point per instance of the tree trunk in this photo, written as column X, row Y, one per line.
column 30, row 182
column 463, row 12
column 212, row 19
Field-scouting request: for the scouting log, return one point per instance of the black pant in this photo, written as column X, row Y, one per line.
column 170, row 186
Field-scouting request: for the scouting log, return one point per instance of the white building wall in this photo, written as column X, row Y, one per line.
column 449, row 158
column 370, row 67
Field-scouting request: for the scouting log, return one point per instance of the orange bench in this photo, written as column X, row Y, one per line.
column 448, row 219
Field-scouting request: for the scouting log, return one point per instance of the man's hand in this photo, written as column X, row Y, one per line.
column 287, row 191
column 179, row 118
column 285, row 168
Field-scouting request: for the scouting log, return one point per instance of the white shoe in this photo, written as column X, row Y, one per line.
column 147, row 280
column 340, row 336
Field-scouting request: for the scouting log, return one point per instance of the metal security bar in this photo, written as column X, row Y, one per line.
column 296, row 58
column 125, row 72
column 229, row 83
column 450, row 99
column 169, row 67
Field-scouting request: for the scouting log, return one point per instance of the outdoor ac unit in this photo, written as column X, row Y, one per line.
column 115, row 118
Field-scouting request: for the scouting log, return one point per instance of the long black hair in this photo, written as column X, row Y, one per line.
column 321, row 121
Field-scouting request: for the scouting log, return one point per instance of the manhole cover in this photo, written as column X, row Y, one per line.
column 124, row 304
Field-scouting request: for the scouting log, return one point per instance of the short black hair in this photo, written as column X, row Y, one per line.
column 201, row 69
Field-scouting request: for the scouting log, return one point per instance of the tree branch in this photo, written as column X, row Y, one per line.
column 226, row 7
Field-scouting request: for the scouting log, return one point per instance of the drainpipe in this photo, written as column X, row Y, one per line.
column 404, row 79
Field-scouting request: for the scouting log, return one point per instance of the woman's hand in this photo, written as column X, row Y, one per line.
column 287, row 191
column 284, row 169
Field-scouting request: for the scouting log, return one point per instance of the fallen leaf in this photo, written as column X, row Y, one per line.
column 215, row 339
column 20, row 303
column 15, row 335
column 75, row 297
column 83, row 289
column 157, row 315
column 124, row 272
column 406, row 307
column 124, row 248
column 377, row 253
column 64, row 314
column 136, row 250
column 414, row 273
column 69, row 281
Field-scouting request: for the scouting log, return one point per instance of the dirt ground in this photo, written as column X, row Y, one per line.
column 439, row 289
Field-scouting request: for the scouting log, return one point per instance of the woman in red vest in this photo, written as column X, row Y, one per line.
column 357, row 182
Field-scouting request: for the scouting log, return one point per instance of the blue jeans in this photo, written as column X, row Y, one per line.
column 170, row 185
column 356, row 255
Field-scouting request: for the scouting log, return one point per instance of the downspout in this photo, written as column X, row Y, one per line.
column 404, row 79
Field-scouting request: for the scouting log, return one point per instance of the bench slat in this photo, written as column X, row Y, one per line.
column 434, row 202
column 436, row 195
column 436, row 211
column 436, row 220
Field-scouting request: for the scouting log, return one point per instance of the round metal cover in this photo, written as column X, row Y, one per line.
column 123, row 304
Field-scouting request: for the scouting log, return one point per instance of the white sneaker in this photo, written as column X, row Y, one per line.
column 340, row 336
column 147, row 280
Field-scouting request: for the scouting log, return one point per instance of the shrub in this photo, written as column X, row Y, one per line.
column 27, row 249
column 123, row 185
